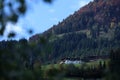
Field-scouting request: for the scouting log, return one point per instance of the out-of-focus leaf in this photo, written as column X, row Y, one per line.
column 2, row 29
column 30, row 31
column 11, row 35
column 10, row 4
column 22, row 1
column 49, row 1
column 1, row 4
column 22, row 9
column 13, row 17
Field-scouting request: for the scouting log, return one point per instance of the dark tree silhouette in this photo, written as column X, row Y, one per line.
column 114, row 65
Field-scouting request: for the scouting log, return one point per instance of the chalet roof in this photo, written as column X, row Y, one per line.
column 87, row 58
column 73, row 59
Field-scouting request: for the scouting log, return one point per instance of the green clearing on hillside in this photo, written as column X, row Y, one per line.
column 63, row 71
column 87, row 64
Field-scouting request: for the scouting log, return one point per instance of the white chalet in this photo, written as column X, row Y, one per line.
column 71, row 61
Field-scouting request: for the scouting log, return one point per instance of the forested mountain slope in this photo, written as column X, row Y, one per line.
column 92, row 30
column 97, row 15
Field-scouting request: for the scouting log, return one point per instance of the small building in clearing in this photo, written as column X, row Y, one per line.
column 85, row 59
column 71, row 61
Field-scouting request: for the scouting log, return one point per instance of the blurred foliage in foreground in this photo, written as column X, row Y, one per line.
column 10, row 11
